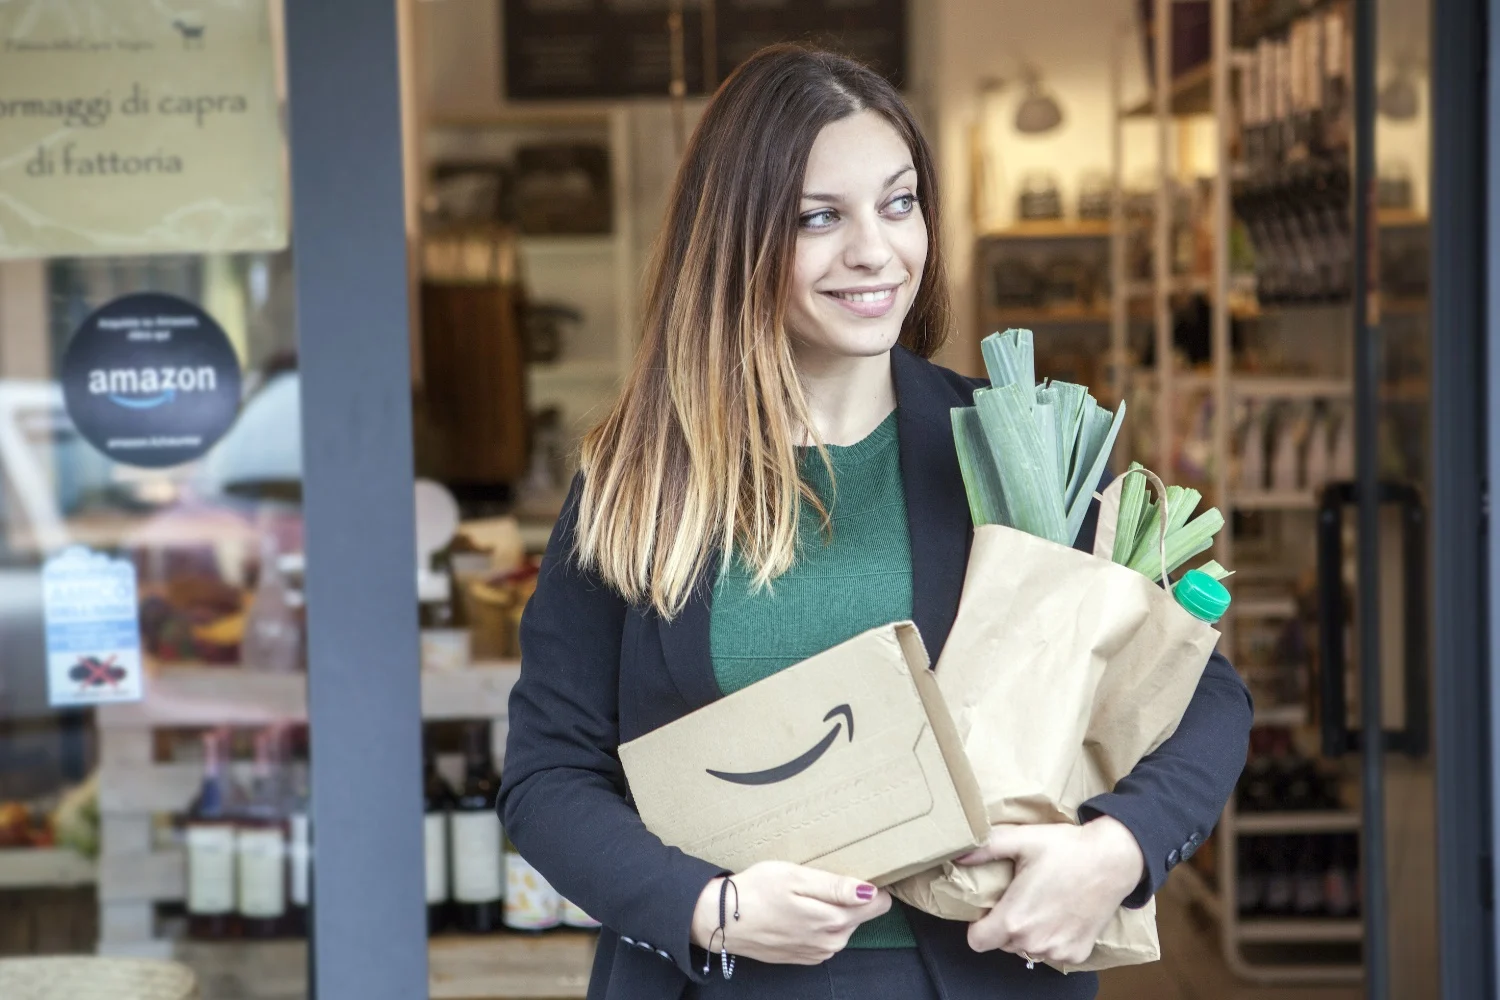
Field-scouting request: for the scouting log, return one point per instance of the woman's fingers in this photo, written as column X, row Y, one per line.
column 1007, row 842
column 837, row 890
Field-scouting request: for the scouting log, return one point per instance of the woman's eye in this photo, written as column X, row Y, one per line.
column 903, row 204
column 821, row 219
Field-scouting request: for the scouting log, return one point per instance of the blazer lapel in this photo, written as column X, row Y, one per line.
column 937, row 515
column 684, row 643
column 937, row 507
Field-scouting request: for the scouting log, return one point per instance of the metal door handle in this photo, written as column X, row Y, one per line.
column 1414, row 738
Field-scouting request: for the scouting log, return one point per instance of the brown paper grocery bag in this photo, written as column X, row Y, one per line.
column 1063, row 670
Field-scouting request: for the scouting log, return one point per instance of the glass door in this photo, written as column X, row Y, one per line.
column 1350, row 473
column 183, row 654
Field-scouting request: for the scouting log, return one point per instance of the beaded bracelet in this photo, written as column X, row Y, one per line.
column 720, row 934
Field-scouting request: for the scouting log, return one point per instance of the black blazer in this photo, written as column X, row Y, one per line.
column 597, row 672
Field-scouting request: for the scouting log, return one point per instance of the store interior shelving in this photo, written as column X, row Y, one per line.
column 1283, row 362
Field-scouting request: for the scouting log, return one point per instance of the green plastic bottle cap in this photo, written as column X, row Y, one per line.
column 1202, row 595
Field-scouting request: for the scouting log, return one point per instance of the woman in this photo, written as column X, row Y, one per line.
column 777, row 476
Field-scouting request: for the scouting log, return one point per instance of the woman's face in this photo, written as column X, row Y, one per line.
column 861, row 241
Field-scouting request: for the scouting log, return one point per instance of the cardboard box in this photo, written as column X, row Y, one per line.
column 848, row 762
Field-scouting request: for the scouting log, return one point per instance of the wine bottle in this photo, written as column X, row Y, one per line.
column 474, row 841
column 1308, row 898
column 531, row 904
column 437, row 804
column 1281, row 886
column 210, row 850
column 299, row 856
column 261, row 848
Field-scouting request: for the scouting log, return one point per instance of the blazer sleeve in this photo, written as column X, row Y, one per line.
column 1172, row 799
column 563, row 792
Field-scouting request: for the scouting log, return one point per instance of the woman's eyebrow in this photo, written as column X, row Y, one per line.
column 814, row 196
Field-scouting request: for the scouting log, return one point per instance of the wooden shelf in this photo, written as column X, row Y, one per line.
column 567, row 244
column 1263, row 607
column 551, row 966
column 1051, row 229
column 189, row 696
column 1399, row 218
column 561, row 115
column 1280, row 715
column 1298, row 500
column 1255, row 823
column 511, row 965
column 1278, row 930
column 44, row 868
column 1001, row 318
column 1289, row 387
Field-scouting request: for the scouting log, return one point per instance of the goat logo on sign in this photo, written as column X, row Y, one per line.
column 191, row 30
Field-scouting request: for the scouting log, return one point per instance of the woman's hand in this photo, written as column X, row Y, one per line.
column 1069, row 881
column 789, row 914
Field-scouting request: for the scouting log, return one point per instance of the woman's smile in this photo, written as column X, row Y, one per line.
column 870, row 301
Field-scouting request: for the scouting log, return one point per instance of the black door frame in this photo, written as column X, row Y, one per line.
column 369, row 921
column 1465, row 295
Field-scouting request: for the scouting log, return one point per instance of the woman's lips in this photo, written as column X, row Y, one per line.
column 869, row 305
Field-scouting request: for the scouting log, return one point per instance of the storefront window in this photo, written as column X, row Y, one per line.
column 155, row 790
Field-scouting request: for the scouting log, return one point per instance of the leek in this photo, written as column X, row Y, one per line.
column 1132, row 508
column 1044, row 447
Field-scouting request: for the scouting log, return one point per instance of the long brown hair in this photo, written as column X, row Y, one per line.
column 698, row 454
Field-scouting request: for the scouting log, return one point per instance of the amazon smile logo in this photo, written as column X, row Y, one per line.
column 148, row 388
column 797, row 765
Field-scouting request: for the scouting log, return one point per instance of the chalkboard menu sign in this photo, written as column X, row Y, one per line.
column 872, row 31
column 560, row 49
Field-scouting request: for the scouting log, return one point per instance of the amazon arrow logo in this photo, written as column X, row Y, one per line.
column 792, row 768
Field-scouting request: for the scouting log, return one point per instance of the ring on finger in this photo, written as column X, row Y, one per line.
column 1030, row 962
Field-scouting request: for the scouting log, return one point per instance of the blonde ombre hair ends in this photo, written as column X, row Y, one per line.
column 698, row 456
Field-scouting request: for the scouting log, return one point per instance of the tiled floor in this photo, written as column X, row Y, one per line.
column 1193, row 967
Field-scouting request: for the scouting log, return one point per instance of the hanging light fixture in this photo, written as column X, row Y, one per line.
column 1398, row 100
column 1039, row 111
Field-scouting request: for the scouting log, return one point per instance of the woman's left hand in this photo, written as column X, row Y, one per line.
column 1069, row 881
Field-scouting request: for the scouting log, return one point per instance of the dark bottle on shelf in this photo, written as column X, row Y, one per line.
column 209, row 833
column 474, row 843
column 437, row 804
column 1308, row 898
column 1281, row 883
column 1339, row 888
column 1250, row 877
column 261, row 846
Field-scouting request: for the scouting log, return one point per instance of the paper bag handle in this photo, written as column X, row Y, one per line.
column 1109, row 518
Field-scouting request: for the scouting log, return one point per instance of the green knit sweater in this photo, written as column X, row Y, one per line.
column 839, row 587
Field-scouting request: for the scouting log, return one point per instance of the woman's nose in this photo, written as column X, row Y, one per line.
column 867, row 248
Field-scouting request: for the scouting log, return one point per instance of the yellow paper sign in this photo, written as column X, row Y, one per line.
column 139, row 127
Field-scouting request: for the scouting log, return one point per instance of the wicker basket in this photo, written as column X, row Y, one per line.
column 86, row 977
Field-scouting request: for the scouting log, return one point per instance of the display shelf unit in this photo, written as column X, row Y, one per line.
column 596, row 273
column 1206, row 90
column 135, row 872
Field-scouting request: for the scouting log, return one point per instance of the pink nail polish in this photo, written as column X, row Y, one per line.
column 865, row 892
